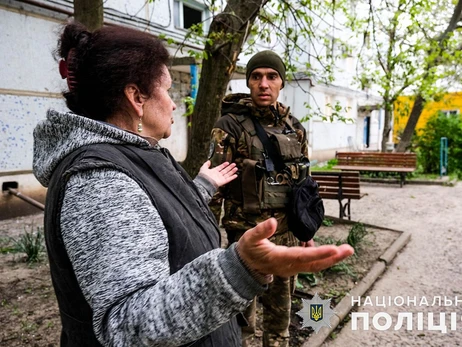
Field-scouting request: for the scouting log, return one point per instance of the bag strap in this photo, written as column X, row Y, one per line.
column 270, row 148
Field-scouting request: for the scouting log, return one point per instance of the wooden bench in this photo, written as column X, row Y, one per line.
column 339, row 185
column 401, row 163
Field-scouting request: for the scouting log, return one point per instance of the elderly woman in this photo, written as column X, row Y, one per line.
column 133, row 248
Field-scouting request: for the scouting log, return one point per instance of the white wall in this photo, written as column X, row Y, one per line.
column 29, row 84
column 18, row 117
column 26, row 57
column 177, row 143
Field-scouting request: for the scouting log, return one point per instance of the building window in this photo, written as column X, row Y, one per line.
column 448, row 113
column 188, row 13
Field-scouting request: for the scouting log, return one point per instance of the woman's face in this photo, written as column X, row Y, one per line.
column 158, row 109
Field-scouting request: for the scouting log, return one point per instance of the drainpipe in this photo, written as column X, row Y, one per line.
column 194, row 81
column 26, row 198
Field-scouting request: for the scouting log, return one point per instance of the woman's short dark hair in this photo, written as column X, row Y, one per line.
column 101, row 64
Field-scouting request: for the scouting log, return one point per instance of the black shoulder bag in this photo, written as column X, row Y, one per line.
column 306, row 208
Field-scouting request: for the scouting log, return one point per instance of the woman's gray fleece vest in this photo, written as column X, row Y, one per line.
column 191, row 228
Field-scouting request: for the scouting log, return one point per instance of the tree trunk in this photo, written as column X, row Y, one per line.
column 222, row 54
column 406, row 138
column 89, row 13
column 386, row 128
column 416, row 111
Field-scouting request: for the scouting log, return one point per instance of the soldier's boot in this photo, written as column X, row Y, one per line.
column 275, row 340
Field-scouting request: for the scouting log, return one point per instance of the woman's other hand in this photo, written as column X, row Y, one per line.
column 264, row 257
column 219, row 175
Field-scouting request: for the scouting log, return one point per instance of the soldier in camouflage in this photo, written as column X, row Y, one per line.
column 259, row 192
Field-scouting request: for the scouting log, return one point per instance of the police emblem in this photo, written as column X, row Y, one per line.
column 316, row 313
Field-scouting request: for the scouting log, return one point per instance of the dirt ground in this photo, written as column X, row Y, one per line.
column 429, row 265
column 28, row 309
column 335, row 283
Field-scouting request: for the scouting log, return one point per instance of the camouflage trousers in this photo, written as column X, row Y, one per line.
column 276, row 303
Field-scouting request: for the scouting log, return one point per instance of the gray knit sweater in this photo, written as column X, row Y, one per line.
column 118, row 247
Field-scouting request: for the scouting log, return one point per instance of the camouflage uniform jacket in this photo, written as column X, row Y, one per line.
column 232, row 142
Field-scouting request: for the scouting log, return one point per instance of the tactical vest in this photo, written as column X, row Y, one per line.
column 191, row 228
column 261, row 186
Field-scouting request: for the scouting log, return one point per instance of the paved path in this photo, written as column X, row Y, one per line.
column 429, row 266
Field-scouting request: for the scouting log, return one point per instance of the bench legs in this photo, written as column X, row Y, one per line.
column 403, row 178
column 345, row 209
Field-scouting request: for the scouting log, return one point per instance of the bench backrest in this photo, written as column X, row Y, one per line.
column 337, row 184
column 407, row 160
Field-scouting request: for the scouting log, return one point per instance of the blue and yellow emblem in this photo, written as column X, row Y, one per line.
column 316, row 312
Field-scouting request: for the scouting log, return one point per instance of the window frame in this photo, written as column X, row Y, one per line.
column 178, row 13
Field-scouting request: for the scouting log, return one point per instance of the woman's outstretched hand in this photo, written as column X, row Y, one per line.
column 264, row 257
column 219, row 175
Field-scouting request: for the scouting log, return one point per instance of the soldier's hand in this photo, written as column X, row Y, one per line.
column 219, row 175
column 266, row 258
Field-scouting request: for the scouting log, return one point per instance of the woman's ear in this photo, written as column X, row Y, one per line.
column 135, row 99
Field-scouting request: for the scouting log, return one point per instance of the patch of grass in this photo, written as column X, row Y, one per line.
column 15, row 310
column 356, row 235
column 28, row 327
column 325, row 166
column 335, row 295
column 309, row 277
column 354, row 239
column 327, row 240
column 327, row 222
column 6, row 245
column 340, row 268
column 343, row 268
column 31, row 244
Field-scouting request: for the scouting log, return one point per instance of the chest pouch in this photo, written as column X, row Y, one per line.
column 261, row 191
column 274, row 195
column 252, row 177
column 287, row 145
column 261, row 188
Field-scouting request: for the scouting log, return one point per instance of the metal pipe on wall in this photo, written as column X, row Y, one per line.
column 194, row 81
column 27, row 199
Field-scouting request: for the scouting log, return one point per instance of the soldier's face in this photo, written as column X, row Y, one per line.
column 265, row 84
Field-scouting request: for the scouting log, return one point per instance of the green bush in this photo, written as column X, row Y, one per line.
column 427, row 144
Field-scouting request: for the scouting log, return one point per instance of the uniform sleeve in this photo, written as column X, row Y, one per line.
column 222, row 147
column 301, row 134
column 118, row 247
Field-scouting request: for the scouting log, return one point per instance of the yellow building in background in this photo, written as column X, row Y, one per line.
column 450, row 103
